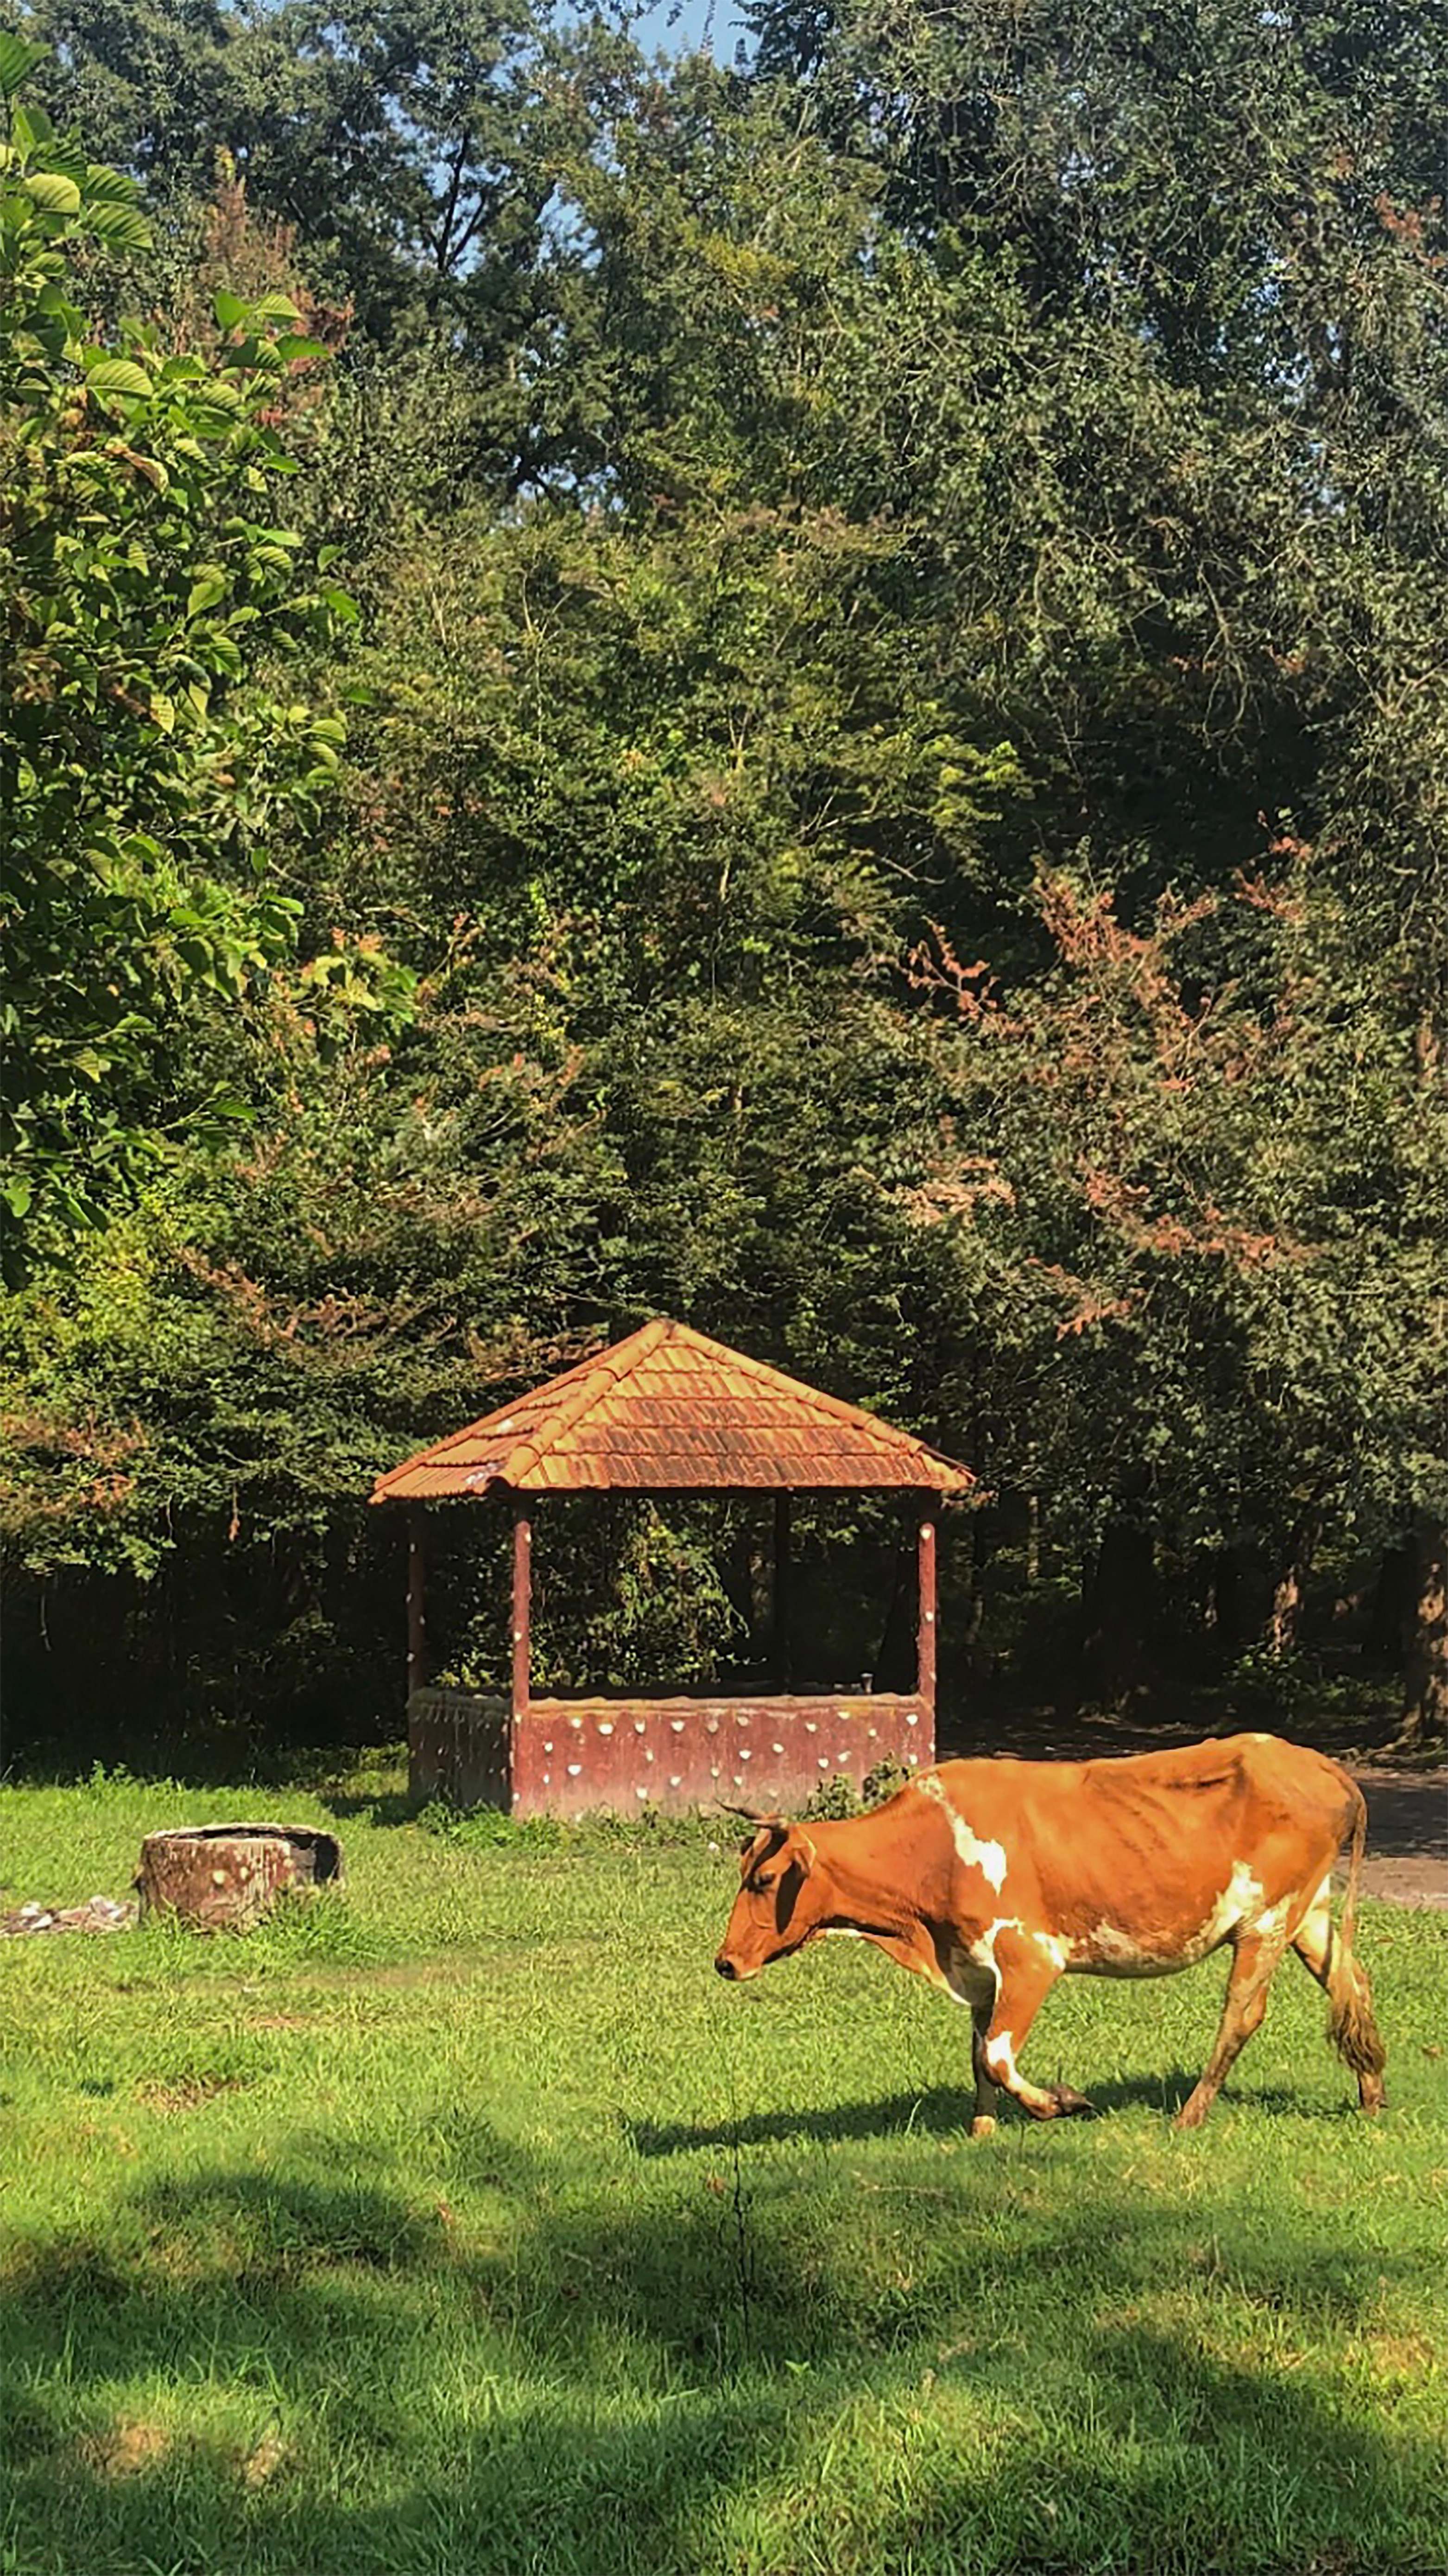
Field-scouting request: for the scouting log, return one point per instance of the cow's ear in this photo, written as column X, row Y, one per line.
column 801, row 1850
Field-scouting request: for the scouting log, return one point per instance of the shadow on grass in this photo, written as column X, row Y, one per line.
column 946, row 2112
column 602, row 2389
column 378, row 1807
column 941, row 2113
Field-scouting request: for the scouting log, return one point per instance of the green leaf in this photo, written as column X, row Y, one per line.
column 208, row 587
column 229, row 309
column 17, row 62
column 124, row 226
column 52, row 191
column 216, row 395
column 118, row 376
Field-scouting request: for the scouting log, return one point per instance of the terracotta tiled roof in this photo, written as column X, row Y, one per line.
column 669, row 1410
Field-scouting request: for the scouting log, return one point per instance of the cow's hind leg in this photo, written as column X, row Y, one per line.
column 1026, row 1975
column 1351, row 2026
column 1254, row 1963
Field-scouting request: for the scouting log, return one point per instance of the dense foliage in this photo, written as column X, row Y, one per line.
column 898, row 723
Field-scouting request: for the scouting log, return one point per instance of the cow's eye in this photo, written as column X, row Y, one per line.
column 760, row 1886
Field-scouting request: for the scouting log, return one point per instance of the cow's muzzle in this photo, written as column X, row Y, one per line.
column 726, row 1967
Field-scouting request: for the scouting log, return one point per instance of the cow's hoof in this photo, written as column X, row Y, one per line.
column 1072, row 2106
column 983, row 2127
column 1190, row 2116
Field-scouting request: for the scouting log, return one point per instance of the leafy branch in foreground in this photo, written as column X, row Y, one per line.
column 148, row 755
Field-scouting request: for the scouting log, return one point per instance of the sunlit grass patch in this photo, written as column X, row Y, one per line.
column 462, row 2218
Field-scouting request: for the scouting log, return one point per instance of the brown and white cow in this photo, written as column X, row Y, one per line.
column 995, row 1878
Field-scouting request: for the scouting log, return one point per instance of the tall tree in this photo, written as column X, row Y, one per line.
column 402, row 139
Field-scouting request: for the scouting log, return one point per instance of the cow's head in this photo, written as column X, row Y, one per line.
column 775, row 1910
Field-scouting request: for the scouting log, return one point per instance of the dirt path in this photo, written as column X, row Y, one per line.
column 1407, row 1853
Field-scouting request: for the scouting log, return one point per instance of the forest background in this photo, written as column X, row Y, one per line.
column 809, row 695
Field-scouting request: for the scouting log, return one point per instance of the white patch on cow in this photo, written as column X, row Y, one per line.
column 1000, row 2055
column 1240, row 1902
column 989, row 1858
column 1110, row 1951
column 1117, row 1949
column 983, row 1947
column 981, row 1952
column 1314, row 1932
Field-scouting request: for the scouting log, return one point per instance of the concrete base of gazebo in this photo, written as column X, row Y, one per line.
column 564, row 1757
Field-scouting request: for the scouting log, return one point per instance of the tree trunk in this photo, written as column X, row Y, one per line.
column 1425, row 1706
column 1287, row 1591
column 1120, row 1613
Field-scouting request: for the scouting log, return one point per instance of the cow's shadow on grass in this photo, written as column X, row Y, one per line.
column 940, row 2113
column 305, row 2367
column 945, row 2111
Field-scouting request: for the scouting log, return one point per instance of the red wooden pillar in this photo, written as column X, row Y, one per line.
column 925, row 1643
column 416, row 1606
column 522, row 1599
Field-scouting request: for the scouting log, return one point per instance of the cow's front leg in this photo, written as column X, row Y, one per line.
column 983, row 2123
column 1026, row 1974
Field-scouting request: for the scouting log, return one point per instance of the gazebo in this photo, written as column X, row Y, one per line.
column 665, row 1412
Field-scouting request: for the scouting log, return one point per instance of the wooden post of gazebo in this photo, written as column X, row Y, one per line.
column 668, row 1412
column 522, row 1607
column 416, row 1606
column 925, row 1635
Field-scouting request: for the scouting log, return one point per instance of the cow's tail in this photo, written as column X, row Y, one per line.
column 1351, row 2027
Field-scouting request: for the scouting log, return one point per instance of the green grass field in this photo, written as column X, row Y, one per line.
column 466, row 2221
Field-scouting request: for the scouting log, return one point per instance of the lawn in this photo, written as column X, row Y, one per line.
column 466, row 2221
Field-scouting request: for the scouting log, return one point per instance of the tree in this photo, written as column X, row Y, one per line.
column 403, row 140
column 148, row 756
column 1202, row 1225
